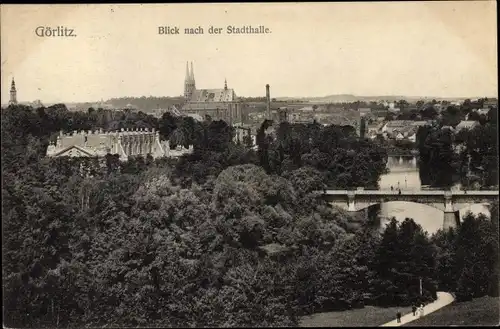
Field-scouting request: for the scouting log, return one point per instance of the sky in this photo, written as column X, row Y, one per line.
column 440, row 49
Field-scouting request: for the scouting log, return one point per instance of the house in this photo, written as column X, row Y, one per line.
column 458, row 148
column 409, row 130
column 364, row 111
column 420, row 123
column 401, row 129
column 374, row 128
column 372, row 134
column 398, row 135
column 390, row 126
column 466, row 125
column 483, row 111
column 407, row 133
column 450, row 128
column 307, row 109
column 493, row 102
column 195, row 116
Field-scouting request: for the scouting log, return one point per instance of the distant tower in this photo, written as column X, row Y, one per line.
column 186, row 83
column 13, row 93
column 362, row 127
column 189, row 82
column 283, row 115
column 225, row 84
column 268, row 102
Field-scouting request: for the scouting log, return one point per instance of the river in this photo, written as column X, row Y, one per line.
column 431, row 219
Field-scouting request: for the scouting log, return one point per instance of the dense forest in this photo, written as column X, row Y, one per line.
column 226, row 236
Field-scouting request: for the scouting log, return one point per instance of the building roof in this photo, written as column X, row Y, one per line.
column 398, row 123
column 306, row 109
column 420, row 123
column 87, row 152
column 195, row 116
column 466, row 124
column 213, row 95
column 483, row 111
column 173, row 109
column 199, row 106
column 93, row 140
column 409, row 130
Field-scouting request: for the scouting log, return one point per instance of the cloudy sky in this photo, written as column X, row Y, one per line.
column 442, row 49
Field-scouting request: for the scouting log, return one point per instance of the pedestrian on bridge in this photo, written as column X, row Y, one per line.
column 414, row 309
column 392, row 188
column 398, row 316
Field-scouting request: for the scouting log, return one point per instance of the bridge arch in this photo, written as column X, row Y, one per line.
column 362, row 205
column 457, row 206
column 365, row 205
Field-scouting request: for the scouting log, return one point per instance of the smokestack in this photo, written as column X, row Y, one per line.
column 268, row 102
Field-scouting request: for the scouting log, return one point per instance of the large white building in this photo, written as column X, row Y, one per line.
column 125, row 143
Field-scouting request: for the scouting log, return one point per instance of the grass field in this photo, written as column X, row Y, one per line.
column 478, row 312
column 367, row 316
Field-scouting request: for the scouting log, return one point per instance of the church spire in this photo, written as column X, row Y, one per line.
column 13, row 92
column 225, row 84
column 189, row 84
column 188, row 75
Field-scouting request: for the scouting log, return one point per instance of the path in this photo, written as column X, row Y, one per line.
column 443, row 299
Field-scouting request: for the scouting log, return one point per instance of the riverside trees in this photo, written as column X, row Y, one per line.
column 467, row 257
column 469, row 156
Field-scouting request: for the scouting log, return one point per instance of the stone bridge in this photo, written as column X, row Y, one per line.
column 447, row 201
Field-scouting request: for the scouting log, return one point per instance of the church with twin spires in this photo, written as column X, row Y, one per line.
column 218, row 104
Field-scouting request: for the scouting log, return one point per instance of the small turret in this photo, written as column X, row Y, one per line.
column 13, row 92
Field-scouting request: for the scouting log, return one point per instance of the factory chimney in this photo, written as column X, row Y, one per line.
column 268, row 102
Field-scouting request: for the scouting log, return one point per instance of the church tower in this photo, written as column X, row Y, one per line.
column 13, row 93
column 193, row 82
column 189, row 82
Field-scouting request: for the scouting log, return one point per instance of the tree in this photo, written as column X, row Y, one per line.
column 403, row 257
column 168, row 124
column 429, row 113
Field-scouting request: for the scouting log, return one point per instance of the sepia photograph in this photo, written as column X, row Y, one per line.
column 328, row 164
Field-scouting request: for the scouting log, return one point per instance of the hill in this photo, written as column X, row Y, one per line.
column 346, row 98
